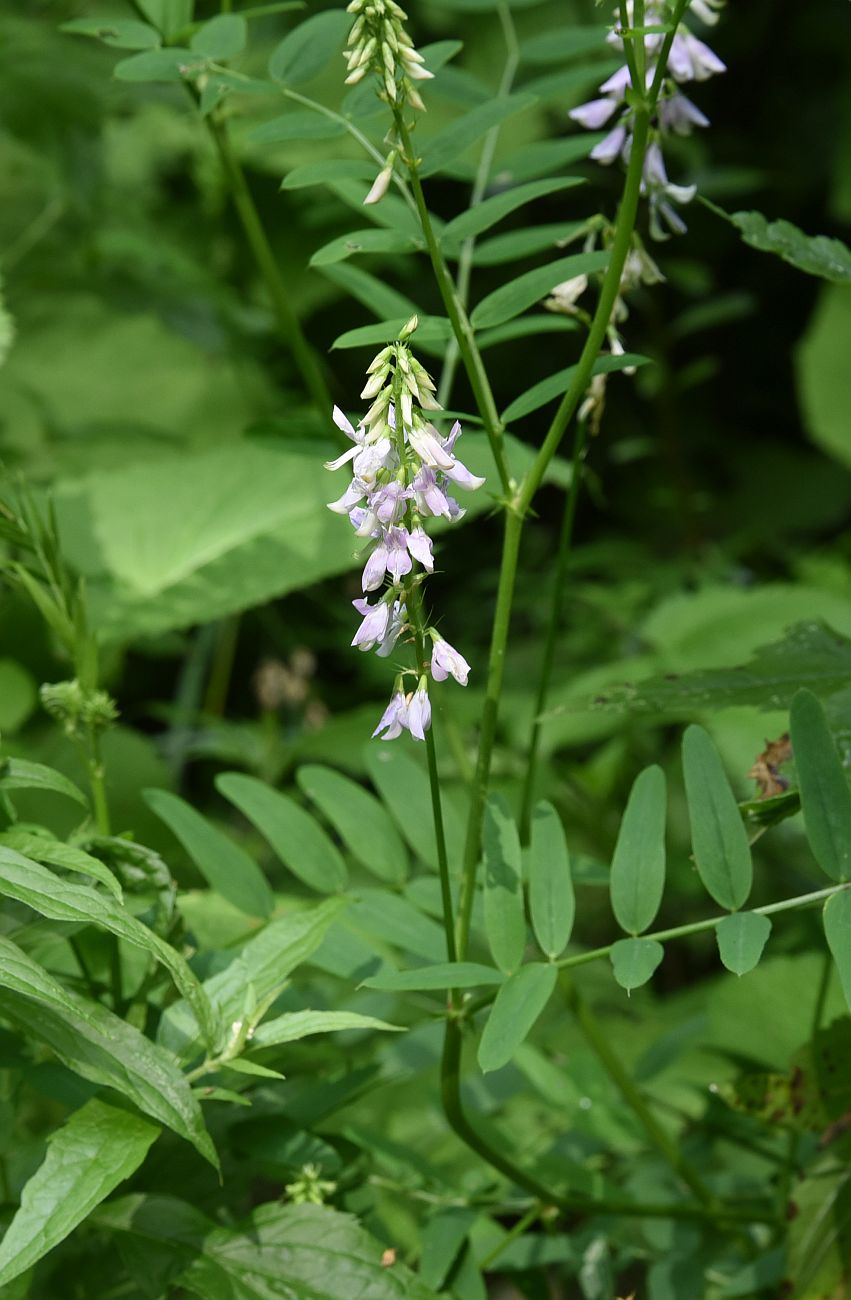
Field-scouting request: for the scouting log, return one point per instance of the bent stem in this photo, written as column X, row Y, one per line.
column 556, row 609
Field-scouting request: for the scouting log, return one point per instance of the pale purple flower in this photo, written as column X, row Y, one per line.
column 394, row 718
column 691, row 59
column 374, row 569
column 445, row 659
column 679, row 114
column 595, row 113
column 419, row 711
column 388, row 502
column 398, row 556
column 608, row 149
column 419, row 544
column 373, row 629
column 395, row 624
column 429, row 496
column 355, row 492
column 429, row 448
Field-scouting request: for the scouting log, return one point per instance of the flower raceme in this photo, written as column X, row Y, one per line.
column 690, row 59
column 402, row 472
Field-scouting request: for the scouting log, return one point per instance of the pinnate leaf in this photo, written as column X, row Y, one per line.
column 718, row 835
column 456, row 138
column 829, row 259
column 446, row 975
column 95, row 1150
column 555, row 386
column 304, row 52
column 519, row 1002
column 301, row 1024
column 121, row 33
column 489, row 211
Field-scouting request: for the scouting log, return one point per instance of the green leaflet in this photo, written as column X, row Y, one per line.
column 121, row 33
column 328, row 172
column 98, row 1046
column 403, row 786
column 366, row 241
column 638, row 864
column 741, row 940
column 456, row 138
column 837, row 929
column 489, row 211
column 297, row 838
column 634, row 961
column 825, row 797
column 529, row 288
column 515, row 244
column 505, row 923
column 173, row 64
column 432, row 329
column 41, row 848
column 303, row 53
column 551, row 900
column 359, row 819
column 448, row 975
column 21, row 774
column 168, row 16
column 63, row 900
column 298, row 124
column 718, row 835
column 301, row 1024
column 555, row 386
column 519, row 1002
column 95, row 1150
column 223, row 864
column 256, row 974
column 564, row 43
column 829, row 259
column 221, row 38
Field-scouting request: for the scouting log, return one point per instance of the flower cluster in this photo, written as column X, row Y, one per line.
column 379, row 43
column 690, row 59
column 402, row 471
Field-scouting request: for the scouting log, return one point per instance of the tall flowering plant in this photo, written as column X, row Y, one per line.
column 402, row 473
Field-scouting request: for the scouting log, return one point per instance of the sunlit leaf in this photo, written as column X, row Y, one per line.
column 519, row 1002
column 296, row 1025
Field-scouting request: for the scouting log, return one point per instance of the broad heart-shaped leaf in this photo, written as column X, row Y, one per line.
column 634, row 961
column 555, row 386
column 811, row 654
column 829, row 259
column 519, row 1002
column 223, row 864
column 297, row 838
column 95, row 1150
column 122, row 33
column 63, row 900
column 489, row 211
column 837, row 929
column 256, row 975
column 97, row 1045
column 404, row 788
column 363, row 824
column 301, row 1024
column 456, row 138
column 448, row 975
column 741, row 939
column 221, row 38
column 22, row 774
column 638, row 864
column 718, row 835
column 825, row 797
column 551, row 901
column 505, row 923
column 305, row 51
column 513, row 298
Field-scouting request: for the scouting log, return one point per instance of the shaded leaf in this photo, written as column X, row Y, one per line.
column 366, row 241
column 546, row 157
column 449, row 975
column 519, row 1002
column 301, row 1024
column 21, row 774
column 298, row 124
column 173, row 64
column 555, row 386
column 741, row 940
column 297, row 838
column 515, row 244
column 456, row 138
column 95, row 1150
column 634, row 961
column 360, row 820
column 488, row 212
column 122, row 33
column 718, row 835
column 327, row 172
column 304, row 51
column 223, row 864
column 638, row 864
column 221, row 38
column 837, row 929
column 551, row 901
column 102, row 1048
column 825, row 797
column 505, row 923
column 563, row 44
column 404, row 788
column 513, row 298
column 829, row 259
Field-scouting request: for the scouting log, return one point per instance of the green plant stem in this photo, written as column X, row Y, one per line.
column 224, row 653
column 465, row 259
column 455, row 310
column 565, row 544
column 97, row 783
column 291, row 332
column 821, row 995
column 516, row 1230
column 632, row 1095
column 567, row 1202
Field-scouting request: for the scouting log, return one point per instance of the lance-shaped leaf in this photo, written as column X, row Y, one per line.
column 519, row 1002
column 551, row 901
column 403, row 786
column 638, row 865
column 257, row 973
column 42, row 848
column 63, row 900
column 466, row 130
column 297, row 838
column 96, row 1044
column 359, row 819
column 825, row 797
column 21, row 774
column 634, row 961
column 515, row 297
column 718, row 834
column 488, row 212
column 443, row 975
column 505, row 923
column 95, row 1150
column 837, row 929
column 301, row 1024
column 223, row 864
column 555, row 386
column 305, row 51
column 741, row 939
